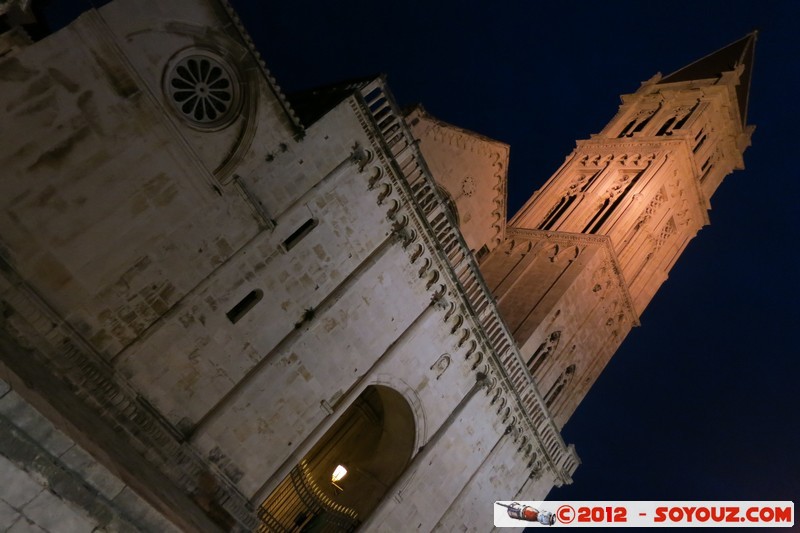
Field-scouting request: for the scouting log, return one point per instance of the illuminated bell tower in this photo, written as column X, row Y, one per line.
column 585, row 255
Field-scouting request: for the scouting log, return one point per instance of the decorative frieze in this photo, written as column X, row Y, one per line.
column 480, row 329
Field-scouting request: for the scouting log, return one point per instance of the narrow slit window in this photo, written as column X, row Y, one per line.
column 638, row 123
column 590, row 181
column 706, row 169
column 292, row 240
column 608, row 207
column 640, row 126
column 245, row 304
column 685, row 118
column 627, row 128
column 700, row 143
column 557, row 211
column 558, row 387
column 602, row 212
column 544, row 350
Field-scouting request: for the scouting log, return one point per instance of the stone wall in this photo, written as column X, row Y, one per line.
column 50, row 483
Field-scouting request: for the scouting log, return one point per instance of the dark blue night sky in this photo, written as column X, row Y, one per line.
column 701, row 401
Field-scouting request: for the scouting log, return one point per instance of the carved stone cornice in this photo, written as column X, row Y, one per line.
column 430, row 234
column 460, row 137
column 612, row 146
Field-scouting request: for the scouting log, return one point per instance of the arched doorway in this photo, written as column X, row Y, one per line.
column 373, row 440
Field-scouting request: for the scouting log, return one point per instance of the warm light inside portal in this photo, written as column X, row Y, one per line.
column 338, row 473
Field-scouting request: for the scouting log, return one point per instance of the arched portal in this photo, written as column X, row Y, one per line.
column 373, row 440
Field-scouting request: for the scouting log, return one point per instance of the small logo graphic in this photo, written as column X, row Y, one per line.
column 528, row 513
column 566, row 514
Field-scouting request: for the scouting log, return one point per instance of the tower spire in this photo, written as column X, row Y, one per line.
column 723, row 60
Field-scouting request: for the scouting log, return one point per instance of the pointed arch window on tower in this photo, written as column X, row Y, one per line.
column 558, row 387
column 657, row 243
column 558, row 210
column 626, row 129
column 640, row 120
column 665, row 129
column 543, row 351
column 612, row 200
column 678, row 119
column 682, row 122
column 449, row 203
column 576, row 189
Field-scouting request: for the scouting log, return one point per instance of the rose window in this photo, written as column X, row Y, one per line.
column 202, row 89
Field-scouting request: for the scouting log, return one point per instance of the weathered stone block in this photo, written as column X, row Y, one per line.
column 8, row 515
column 17, row 487
column 23, row 525
column 92, row 472
column 51, row 513
column 141, row 513
column 29, row 420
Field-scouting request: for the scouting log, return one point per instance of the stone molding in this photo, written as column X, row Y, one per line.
column 426, row 230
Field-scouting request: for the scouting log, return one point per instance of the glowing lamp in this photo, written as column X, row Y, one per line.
column 338, row 473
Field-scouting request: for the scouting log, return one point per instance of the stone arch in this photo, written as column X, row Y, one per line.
column 496, row 396
column 503, row 403
column 471, row 349
column 426, row 264
column 449, row 203
column 394, row 207
column 416, row 253
column 440, row 291
column 374, row 439
column 451, row 309
column 545, row 349
column 375, row 177
column 441, row 364
column 478, row 361
column 433, row 277
column 386, row 190
column 522, row 247
column 560, row 384
column 464, row 337
column 459, row 320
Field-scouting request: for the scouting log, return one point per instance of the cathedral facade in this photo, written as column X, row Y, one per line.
column 228, row 309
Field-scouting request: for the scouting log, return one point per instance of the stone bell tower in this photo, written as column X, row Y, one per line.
column 585, row 255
